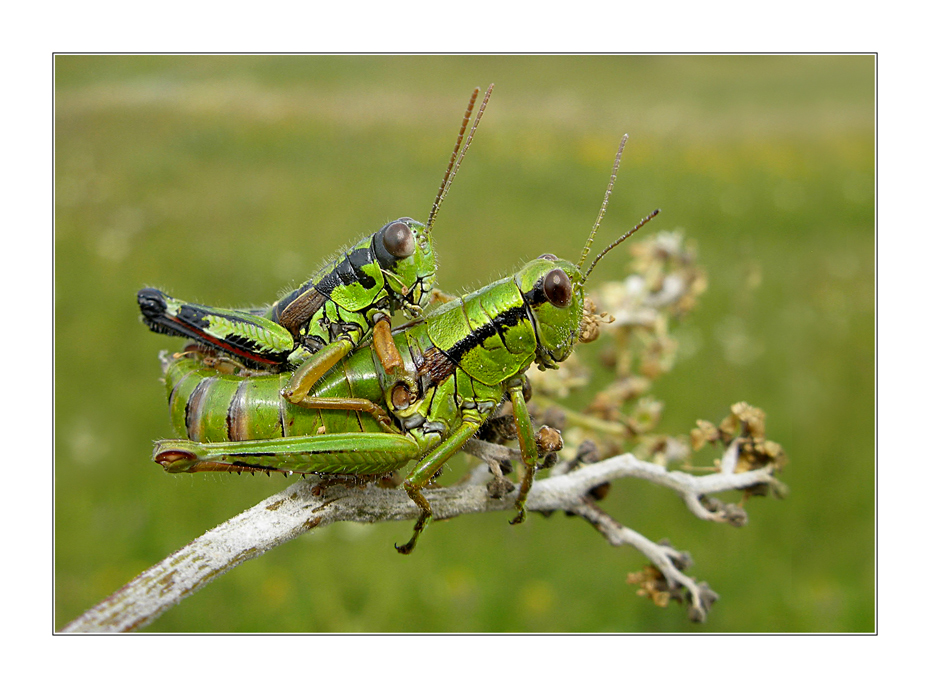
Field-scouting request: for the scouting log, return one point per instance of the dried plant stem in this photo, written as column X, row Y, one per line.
column 303, row 506
column 588, row 422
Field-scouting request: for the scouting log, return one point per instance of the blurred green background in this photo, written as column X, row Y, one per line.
column 226, row 179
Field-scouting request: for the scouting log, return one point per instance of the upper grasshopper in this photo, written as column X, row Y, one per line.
column 457, row 367
column 320, row 322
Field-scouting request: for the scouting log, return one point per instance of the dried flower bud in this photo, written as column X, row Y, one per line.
column 652, row 584
column 591, row 321
column 707, row 431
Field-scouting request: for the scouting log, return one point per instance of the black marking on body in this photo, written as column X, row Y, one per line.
column 245, row 343
column 235, row 413
column 499, row 327
column 194, row 316
column 312, row 343
column 381, row 254
column 174, row 391
column 348, row 271
column 193, row 410
column 152, row 303
column 426, row 425
column 537, row 295
column 477, row 337
column 282, row 416
column 357, row 260
column 295, row 310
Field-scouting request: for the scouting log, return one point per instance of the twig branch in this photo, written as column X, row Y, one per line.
column 304, row 506
column 667, row 559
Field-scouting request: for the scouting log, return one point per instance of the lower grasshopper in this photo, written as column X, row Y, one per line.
column 316, row 325
column 361, row 419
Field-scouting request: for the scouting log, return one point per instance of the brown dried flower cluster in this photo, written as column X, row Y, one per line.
column 637, row 348
column 652, row 584
column 665, row 283
column 591, row 322
column 636, row 315
column 622, row 416
column 747, row 424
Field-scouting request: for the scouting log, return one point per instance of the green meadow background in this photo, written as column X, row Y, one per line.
column 227, row 179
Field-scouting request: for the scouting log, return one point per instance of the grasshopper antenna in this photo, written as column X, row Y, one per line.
column 619, row 241
column 610, row 188
column 456, row 160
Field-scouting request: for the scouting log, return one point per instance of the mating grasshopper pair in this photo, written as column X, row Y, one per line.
column 417, row 393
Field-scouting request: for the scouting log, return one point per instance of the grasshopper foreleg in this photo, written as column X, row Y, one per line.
column 384, row 346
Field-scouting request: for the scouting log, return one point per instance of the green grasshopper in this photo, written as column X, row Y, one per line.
column 313, row 327
column 458, row 365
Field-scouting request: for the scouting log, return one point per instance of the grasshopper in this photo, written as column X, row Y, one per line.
column 458, row 366
column 313, row 327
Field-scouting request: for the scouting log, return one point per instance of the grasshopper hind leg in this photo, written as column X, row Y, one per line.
column 310, row 371
column 238, row 333
column 425, row 470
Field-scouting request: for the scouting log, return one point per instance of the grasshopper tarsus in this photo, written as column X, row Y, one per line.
column 403, row 549
column 418, row 529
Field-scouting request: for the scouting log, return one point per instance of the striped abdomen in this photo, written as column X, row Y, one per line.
column 207, row 406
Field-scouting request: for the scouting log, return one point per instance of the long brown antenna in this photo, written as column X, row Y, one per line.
column 610, row 188
column 456, row 160
column 620, row 241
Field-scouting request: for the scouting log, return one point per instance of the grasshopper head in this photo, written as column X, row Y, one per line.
column 554, row 291
column 405, row 251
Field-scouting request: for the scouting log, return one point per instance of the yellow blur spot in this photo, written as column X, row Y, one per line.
column 537, row 598
column 276, row 590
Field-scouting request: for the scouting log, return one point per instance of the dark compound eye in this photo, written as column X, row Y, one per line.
column 547, row 256
column 558, row 288
column 399, row 240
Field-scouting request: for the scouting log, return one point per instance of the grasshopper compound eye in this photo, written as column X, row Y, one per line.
column 547, row 256
column 399, row 241
column 558, row 288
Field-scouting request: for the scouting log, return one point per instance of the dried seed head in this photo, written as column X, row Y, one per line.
column 591, row 322
column 652, row 584
column 548, row 440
